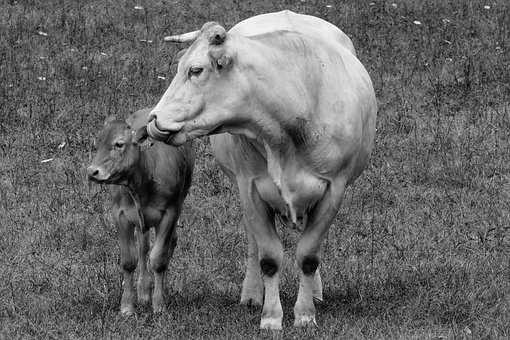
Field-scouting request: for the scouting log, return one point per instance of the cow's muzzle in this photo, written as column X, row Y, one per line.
column 163, row 130
column 170, row 137
column 156, row 133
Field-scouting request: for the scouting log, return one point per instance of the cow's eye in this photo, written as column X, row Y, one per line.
column 119, row 145
column 195, row 71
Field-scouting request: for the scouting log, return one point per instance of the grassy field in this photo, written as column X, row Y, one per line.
column 419, row 250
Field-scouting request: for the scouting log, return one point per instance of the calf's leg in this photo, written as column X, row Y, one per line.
column 127, row 262
column 166, row 240
column 143, row 287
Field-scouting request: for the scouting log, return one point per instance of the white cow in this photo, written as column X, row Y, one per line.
column 301, row 110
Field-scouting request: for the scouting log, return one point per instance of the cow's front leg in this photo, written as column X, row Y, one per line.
column 143, row 287
column 127, row 262
column 253, row 287
column 166, row 240
column 260, row 221
column 307, row 253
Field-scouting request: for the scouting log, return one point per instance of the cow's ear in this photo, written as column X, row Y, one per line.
column 223, row 61
column 139, row 136
column 109, row 119
column 177, row 57
column 220, row 59
column 216, row 36
column 179, row 54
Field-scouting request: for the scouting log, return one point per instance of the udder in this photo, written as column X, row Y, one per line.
column 301, row 191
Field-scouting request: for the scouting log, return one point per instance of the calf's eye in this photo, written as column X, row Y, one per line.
column 119, row 145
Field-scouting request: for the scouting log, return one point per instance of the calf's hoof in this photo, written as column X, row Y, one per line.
column 274, row 324
column 305, row 321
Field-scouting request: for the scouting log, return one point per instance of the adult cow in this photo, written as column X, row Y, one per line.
column 151, row 186
column 301, row 112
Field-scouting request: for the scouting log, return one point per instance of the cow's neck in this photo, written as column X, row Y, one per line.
column 299, row 184
column 283, row 119
column 290, row 160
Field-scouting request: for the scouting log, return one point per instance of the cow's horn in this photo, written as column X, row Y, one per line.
column 182, row 38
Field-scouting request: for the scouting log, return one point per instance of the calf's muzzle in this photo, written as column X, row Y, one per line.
column 95, row 173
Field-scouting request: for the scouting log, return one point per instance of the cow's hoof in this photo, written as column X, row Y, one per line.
column 318, row 298
column 127, row 310
column 274, row 324
column 144, row 298
column 305, row 321
column 252, row 300
column 158, row 308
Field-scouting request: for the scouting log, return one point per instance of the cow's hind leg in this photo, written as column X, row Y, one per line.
column 127, row 262
column 143, row 287
column 260, row 221
column 317, row 286
column 166, row 240
column 252, row 292
column 307, row 253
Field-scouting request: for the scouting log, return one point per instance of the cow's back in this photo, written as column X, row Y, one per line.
column 289, row 21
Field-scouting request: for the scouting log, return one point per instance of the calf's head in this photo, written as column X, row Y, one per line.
column 117, row 152
column 206, row 94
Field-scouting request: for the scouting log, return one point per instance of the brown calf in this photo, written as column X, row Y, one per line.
column 151, row 186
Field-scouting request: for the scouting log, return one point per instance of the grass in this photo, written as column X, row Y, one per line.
column 419, row 250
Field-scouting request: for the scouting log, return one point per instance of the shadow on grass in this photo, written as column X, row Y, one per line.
column 445, row 294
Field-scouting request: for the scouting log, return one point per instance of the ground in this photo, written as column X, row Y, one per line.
column 419, row 250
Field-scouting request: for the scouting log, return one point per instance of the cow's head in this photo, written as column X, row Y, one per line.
column 117, row 152
column 205, row 93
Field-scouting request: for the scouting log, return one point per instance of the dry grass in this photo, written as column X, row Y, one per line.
column 420, row 248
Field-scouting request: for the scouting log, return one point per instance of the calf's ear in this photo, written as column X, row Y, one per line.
column 140, row 135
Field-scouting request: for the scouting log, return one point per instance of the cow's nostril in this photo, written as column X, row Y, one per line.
column 95, row 173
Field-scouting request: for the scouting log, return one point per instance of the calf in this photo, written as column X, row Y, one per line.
column 151, row 184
